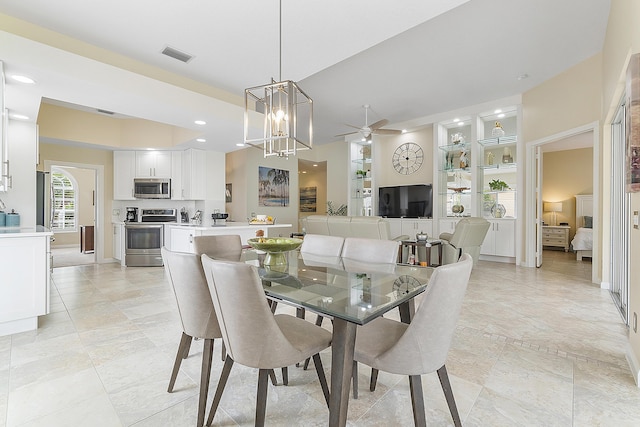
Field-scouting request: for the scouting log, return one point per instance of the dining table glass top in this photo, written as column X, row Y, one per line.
column 352, row 290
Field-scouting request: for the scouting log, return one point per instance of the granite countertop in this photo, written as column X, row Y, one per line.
column 228, row 225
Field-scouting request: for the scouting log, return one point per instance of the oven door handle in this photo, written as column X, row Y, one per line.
column 142, row 225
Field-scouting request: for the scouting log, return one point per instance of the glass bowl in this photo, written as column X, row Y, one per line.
column 275, row 247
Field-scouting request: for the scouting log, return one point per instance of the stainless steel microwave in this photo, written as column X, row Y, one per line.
column 152, row 188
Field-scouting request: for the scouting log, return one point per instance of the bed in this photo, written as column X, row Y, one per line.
column 582, row 242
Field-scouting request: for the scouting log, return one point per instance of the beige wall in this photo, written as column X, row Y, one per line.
column 622, row 40
column 87, row 156
column 565, row 175
column 73, row 125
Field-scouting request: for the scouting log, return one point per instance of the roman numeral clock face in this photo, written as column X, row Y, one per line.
column 407, row 158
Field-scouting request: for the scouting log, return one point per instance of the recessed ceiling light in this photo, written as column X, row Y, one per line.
column 19, row 117
column 456, row 120
column 404, row 131
column 501, row 115
column 200, row 122
column 498, row 111
column 460, row 123
column 239, row 144
column 23, row 79
column 523, row 76
column 315, row 165
column 201, row 140
column 304, row 171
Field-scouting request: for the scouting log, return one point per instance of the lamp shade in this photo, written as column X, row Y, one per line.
column 552, row 207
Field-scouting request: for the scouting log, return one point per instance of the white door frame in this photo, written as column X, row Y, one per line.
column 531, row 203
column 99, row 225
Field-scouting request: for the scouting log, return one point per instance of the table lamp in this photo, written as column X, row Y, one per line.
column 553, row 207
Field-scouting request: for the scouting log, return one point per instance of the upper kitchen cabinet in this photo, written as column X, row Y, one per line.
column 4, row 151
column 124, row 170
column 454, row 164
column 156, row 164
column 194, row 163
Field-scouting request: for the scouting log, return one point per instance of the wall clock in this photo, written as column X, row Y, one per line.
column 405, row 284
column 407, row 158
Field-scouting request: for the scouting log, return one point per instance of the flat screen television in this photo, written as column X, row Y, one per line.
column 406, row 201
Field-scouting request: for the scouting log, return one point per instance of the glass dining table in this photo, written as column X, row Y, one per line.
column 348, row 292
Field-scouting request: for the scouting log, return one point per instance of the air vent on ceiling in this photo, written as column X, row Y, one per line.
column 111, row 113
column 177, row 54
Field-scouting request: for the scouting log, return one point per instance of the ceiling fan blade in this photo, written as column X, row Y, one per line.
column 387, row 132
column 345, row 134
column 378, row 124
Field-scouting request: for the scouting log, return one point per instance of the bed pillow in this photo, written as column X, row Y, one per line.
column 588, row 222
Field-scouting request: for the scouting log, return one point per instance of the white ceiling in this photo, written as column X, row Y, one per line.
column 408, row 60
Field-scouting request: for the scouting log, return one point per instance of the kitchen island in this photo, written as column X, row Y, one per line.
column 179, row 237
column 25, row 265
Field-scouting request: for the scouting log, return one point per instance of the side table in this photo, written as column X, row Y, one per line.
column 411, row 246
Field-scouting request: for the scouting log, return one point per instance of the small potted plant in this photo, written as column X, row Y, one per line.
column 498, row 185
column 361, row 173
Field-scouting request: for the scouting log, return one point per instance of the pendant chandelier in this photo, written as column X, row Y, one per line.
column 286, row 112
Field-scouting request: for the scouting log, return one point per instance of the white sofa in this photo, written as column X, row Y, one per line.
column 370, row 227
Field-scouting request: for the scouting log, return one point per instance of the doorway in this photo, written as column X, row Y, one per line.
column 72, row 210
column 562, row 210
column 312, row 183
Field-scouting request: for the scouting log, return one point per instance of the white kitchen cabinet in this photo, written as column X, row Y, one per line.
column 118, row 237
column 395, row 227
column 413, row 226
column 156, row 164
column 124, row 169
column 194, row 163
column 181, row 238
column 447, row 225
column 25, row 264
column 177, row 192
column 500, row 239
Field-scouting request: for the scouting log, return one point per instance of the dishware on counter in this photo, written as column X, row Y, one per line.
column 219, row 218
column 12, row 219
column 131, row 215
column 197, row 217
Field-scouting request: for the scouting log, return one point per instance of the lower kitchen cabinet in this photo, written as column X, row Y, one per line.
column 410, row 227
column 25, row 263
column 118, row 241
column 500, row 239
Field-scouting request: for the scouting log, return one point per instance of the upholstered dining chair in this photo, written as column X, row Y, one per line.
column 466, row 238
column 421, row 346
column 253, row 335
column 370, row 250
column 197, row 316
column 226, row 246
column 318, row 244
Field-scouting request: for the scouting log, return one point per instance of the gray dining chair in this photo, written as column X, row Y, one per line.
column 253, row 335
column 421, row 346
column 227, row 246
column 318, row 244
column 375, row 251
column 197, row 316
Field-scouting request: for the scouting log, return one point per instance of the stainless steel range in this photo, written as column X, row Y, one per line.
column 144, row 239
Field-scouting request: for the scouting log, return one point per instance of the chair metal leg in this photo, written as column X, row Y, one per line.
column 183, row 348
column 285, row 376
column 354, row 377
column 417, row 401
column 448, row 394
column 187, row 347
column 272, row 375
column 374, row 379
column 261, row 401
column 222, row 382
column 223, row 352
column 273, row 305
column 205, row 374
column 317, row 362
column 319, row 320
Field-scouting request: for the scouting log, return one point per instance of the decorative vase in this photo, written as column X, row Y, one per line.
column 490, row 158
column 497, row 130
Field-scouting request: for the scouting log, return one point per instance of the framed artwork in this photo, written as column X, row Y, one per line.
column 227, row 193
column 308, row 197
column 273, row 187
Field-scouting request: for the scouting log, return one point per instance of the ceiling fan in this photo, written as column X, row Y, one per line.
column 371, row 129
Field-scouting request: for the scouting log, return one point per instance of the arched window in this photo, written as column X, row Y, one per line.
column 64, row 198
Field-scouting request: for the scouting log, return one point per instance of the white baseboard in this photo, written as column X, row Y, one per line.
column 633, row 364
column 605, row 285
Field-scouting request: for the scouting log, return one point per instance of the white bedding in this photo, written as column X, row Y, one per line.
column 583, row 240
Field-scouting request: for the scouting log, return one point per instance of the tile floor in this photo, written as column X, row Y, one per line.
column 533, row 347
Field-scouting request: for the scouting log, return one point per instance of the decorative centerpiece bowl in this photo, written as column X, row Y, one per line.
column 275, row 247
